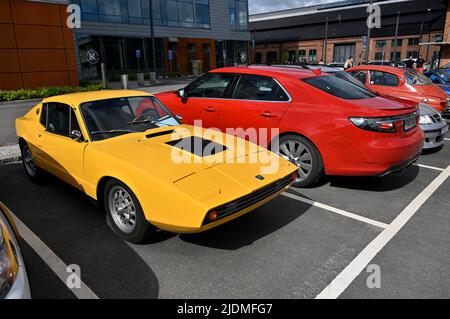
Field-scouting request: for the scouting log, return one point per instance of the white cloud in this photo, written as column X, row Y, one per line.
column 259, row 6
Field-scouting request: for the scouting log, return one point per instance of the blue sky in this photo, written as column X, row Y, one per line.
column 259, row 6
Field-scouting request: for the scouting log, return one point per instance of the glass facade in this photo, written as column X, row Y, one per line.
column 238, row 14
column 230, row 53
column 119, row 55
column 177, row 13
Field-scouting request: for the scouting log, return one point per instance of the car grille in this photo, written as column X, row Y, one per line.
column 250, row 199
column 436, row 118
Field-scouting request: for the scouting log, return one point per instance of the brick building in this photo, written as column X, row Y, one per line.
column 299, row 34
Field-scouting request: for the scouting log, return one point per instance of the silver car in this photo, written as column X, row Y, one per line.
column 13, row 276
column 433, row 125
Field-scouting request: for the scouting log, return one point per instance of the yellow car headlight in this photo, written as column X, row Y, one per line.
column 8, row 263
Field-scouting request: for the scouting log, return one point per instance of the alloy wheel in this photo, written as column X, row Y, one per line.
column 122, row 209
column 298, row 154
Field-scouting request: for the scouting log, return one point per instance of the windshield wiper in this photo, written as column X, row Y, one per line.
column 112, row 132
column 135, row 122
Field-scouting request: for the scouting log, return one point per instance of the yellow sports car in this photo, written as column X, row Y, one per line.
column 126, row 150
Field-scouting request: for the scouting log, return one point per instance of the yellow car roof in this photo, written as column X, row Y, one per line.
column 79, row 98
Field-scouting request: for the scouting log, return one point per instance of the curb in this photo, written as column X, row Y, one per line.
column 7, row 103
column 10, row 154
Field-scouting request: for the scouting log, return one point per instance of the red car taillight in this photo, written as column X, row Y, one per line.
column 388, row 124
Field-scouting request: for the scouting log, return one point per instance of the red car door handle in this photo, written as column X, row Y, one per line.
column 210, row 109
column 267, row 114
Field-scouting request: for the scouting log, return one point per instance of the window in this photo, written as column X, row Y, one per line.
column 212, row 85
column 397, row 56
column 438, row 38
column 186, row 13
column 443, row 76
column 302, row 55
column 380, row 43
column 191, row 47
column 292, row 56
column 259, row 88
column 272, row 57
column 413, row 41
column 348, row 77
column 238, row 12
column 413, row 54
column 59, row 119
column 110, row 10
column 258, row 57
column 399, row 42
column 118, row 116
column 360, row 76
column 383, row 78
column 43, row 119
column 379, row 55
column 416, row 78
column 339, row 87
column 312, row 56
column 202, row 13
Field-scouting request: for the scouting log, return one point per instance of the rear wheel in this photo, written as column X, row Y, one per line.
column 301, row 152
column 33, row 172
column 124, row 213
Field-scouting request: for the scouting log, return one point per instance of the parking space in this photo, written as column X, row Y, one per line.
column 293, row 247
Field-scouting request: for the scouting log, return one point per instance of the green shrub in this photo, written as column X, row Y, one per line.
column 44, row 92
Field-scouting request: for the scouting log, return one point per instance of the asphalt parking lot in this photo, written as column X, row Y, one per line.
column 307, row 243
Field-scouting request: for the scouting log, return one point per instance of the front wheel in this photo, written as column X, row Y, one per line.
column 301, row 152
column 124, row 213
column 33, row 172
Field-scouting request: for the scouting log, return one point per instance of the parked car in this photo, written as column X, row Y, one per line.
column 126, row 150
column 431, row 121
column 326, row 125
column 381, row 62
column 433, row 125
column 13, row 275
column 441, row 78
column 406, row 84
column 338, row 65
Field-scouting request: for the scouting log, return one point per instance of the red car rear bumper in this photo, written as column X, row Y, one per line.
column 373, row 154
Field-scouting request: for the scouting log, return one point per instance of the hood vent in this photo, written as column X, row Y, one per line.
column 198, row 146
column 152, row 135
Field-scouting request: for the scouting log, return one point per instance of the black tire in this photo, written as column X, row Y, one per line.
column 142, row 230
column 316, row 170
column 35, row 175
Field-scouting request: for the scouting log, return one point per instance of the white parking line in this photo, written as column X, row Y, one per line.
column 336, row 210
column 346, row 277
column 52, row 260
column 430, row 167
column 446, row 139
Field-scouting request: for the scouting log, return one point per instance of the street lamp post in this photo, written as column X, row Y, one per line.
column 394, row 54
column 152, row 29
column 422, row 25
column 324, row 54
column 368, row 37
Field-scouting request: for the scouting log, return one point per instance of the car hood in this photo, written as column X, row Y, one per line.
column 174, row 154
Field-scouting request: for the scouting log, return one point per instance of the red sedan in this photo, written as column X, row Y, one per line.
column 401, row 83
column 327, row 125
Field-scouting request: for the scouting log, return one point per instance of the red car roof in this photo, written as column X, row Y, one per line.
column 383, row 68
column 268, row 71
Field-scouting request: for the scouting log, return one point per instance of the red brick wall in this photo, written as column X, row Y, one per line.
column 445, row 53
column 36, row 47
